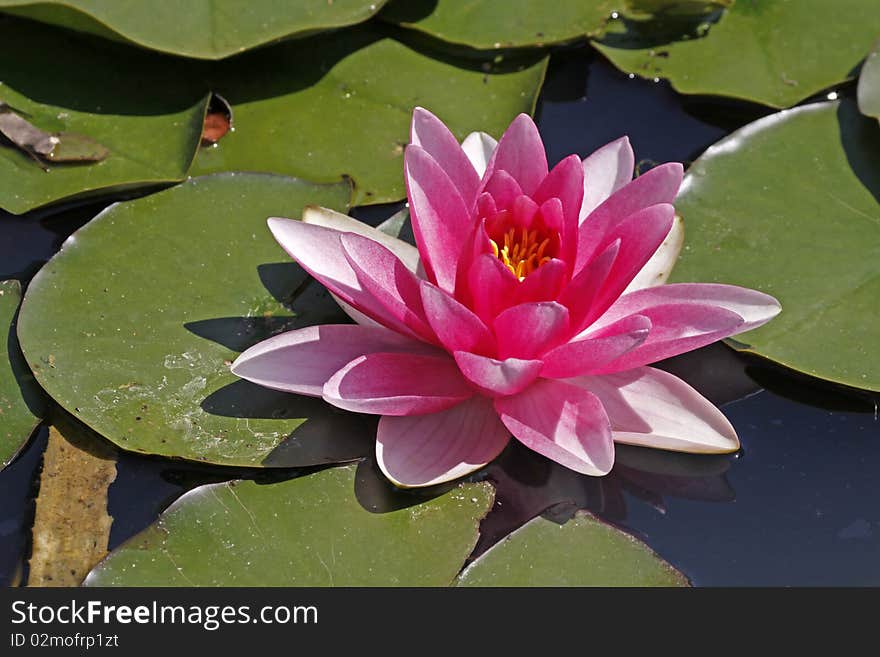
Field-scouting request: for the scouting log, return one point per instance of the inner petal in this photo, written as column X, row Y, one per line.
column 521, row 237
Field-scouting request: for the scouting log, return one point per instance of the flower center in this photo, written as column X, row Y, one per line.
column 521, row 250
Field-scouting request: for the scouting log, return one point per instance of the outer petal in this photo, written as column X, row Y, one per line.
column 423, row 450
column 578, row 296
column 388, row 280
column 596, row 349
column 457, row 328
column 529, row 329
column 397, row 384
column 605, row 171
column 653, row 408
column 565, row 423
column 439, row 216
column 521, row 153
column 407, row 253
column 479, row 146
column 659, row 267
column 430, row 133
column 756, row 308
column 302, row 361
column 659, row 185
column 676, row 329
column 497, row 377
column 319, row 251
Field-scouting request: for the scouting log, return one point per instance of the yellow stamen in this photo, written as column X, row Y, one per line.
column 524, row 255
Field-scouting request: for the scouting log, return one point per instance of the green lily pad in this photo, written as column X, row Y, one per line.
column 116, row 96
column 21, row 403
column 310, row 531
column 326, row 107
column 774, row 52
column 132, row 326
column 206, row 29
column 869, row 84
column 484, row 25
column 583, row 552
column 789, row 205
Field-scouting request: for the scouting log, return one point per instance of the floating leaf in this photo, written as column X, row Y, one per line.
column 21, row 401
column 582, row 552
column 775, row 52
column 310, row 531
column 132, row 326
column 119, row 98
column 206, row 29
column 482, row 24
column 869, row 84
column 789, row 205
column 71, row 524
column 46, row 146
column 322, row 108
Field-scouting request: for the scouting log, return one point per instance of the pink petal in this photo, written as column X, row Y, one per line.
column 578, row 296
column 605, row 171
column 659, row 267
column 492, row 286
column 653, row 408
column 659, row 185
column 529, row 329
column 502, row 187
column 565, row 423
column 430, row 133
column 497, row 377
column 318, row 216
column 756, row 308
column 388, row 280
column 543, row 284
column 676, row 329
column 302, row 361
column 397, row 384
column 596, row 349
column 565, row 182
column 479, row 146
column 521, row 153
column 319, row 251
column 439, row 216
column 423, row 450
column 457, row 328
column 639, row 235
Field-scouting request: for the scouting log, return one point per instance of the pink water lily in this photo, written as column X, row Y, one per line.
column 532, row 307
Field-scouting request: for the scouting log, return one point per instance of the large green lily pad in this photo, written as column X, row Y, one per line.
column 483, row 24
column 582, row 552
column 869, row 84
column 774, row 52
column 342, row 105
column 132, row 326
column 114, row 95
column 21, row 402
column 310, row 531
column 207, row 29
column 789, row 205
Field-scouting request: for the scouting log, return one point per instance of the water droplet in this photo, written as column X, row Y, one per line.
column 614, row 15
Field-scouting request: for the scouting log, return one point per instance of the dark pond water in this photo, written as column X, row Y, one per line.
column 797, row 506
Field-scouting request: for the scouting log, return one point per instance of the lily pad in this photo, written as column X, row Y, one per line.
column 115, row 96
column 869, row 84
column 310, row 531
column 206, row 29
column 483, row 24
column 582, row 552
column 132, row 326
column 21, row 402
column 322, row 108
column 789, row 205
column 774, row 52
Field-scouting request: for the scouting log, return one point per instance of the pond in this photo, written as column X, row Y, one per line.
column 797, row 506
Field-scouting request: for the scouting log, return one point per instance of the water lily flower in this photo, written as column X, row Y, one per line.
column 532, row 306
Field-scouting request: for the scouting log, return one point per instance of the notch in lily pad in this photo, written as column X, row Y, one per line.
column 218, row 120
column 47, row 147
